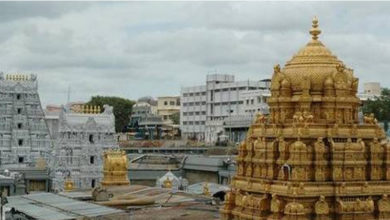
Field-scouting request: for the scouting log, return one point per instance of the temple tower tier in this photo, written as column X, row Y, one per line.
column 312, row 158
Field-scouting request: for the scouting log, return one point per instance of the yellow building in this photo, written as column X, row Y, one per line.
column 312, row 159
column 167, row 106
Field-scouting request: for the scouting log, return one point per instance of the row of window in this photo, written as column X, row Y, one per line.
column 235, row 89
column 194, row 103
column 194, row 122
column 194, row 94
column 194, row 113
column 172, row 103
column 253, row 110
column 260, row 99
column 227, row 103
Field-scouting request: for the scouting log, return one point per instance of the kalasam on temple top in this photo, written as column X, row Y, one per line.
column 312, row 158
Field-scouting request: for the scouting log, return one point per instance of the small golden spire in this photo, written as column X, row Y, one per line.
column 315, row 31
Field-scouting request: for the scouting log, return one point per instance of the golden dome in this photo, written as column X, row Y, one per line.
column 314, row 61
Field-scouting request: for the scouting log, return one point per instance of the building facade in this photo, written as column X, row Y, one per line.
column 204, row 109
column 168, row 106
column 24, row 135
column 371, row 90
column 82, row 137
column 144, row 121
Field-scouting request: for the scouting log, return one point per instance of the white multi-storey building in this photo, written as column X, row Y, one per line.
column 204, row 109
column 24, row 136
column 371, row 90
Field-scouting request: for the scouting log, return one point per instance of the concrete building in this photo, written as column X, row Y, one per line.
column 80, row 139
column 24, row 135
column 205, row 109
column 144, row 121
column 371, row 90
column 167, row 106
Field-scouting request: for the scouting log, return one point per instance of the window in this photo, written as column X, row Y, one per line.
column 20, row 142
column 93, row 183
column 21, row 159
column 91, row 138
column 171, row 103
column 92, row 159
column 165, row 103
column 19, row 125
column 252, row 101
column 19, row 111
column 18, row 96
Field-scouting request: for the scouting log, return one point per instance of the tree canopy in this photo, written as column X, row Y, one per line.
column 380, row 107
column 175, row 117
column 122, row 109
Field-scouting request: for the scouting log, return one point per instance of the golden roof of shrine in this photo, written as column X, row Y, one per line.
column 314, row 61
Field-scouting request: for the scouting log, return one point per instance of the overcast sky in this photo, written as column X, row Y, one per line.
column 134, row 49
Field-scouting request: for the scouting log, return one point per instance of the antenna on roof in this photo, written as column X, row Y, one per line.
column 68, row 94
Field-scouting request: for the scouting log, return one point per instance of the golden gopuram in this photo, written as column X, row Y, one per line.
column 115, row 168
column 311, row 158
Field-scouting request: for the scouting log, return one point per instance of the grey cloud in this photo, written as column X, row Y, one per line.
column 20, row 10
column 134, row 49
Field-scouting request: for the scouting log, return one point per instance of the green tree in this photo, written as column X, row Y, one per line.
column 380, row 107
column 175, row 117
column 121, row 109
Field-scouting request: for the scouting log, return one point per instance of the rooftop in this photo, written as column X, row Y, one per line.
column 49, row 206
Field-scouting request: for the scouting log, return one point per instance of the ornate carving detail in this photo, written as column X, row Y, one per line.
column 321, row 206
column 313, row 145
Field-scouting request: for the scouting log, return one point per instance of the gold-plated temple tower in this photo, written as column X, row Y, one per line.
column 115, row 168
column 312, row 159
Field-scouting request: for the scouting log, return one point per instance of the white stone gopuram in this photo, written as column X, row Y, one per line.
column 82, row 137
column 24, row 136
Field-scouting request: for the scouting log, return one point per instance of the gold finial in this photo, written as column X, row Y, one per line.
column 68, row 185
column 315, row 31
